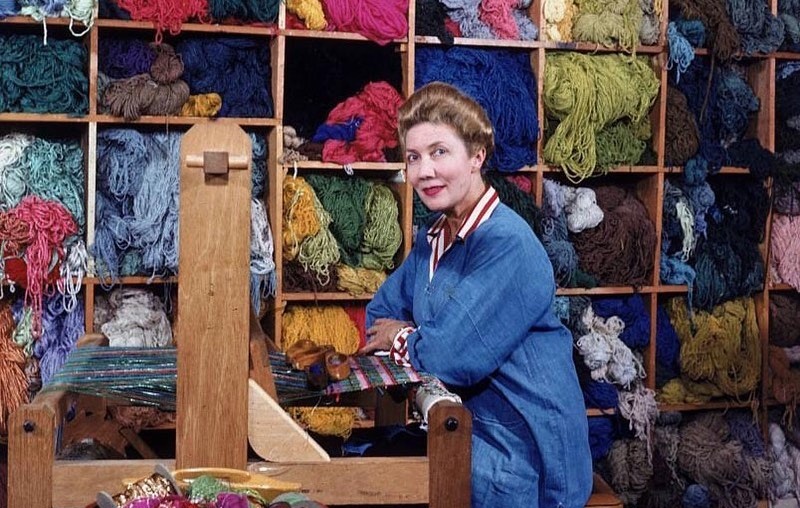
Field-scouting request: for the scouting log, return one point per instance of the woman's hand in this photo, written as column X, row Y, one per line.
column 381, row 335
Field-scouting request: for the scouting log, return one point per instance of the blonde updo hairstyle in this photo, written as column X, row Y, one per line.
column 443, row 104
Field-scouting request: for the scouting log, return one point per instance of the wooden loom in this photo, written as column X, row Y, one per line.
column 219, row 407
column 223, row 404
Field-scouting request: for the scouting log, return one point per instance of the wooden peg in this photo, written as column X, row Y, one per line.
column 216, row 163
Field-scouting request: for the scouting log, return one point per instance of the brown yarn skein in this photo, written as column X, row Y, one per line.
column 682, row 136
column 167, row 66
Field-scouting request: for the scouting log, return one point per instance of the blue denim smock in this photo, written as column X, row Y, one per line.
column 485, row 327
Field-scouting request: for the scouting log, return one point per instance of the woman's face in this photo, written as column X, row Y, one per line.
column 440, row 168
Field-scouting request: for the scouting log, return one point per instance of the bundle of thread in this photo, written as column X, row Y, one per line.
column 492, row 19
column 555, row 237
column 592, row 133
column 14, row 385
column 760, row 31
column 380, row 21
column 668, row 349
column 500, row 81
column 631, row 469
column 235, row 68
column 726, row 458
column 784, row 319
column 132, row 317
column 609, row 23
column 722, row 103
column 682, row 136
column 159, row 92
column 677, row 236
column 559, row 16
column 337, row 219
column 371, row 119
column 52, row 170
column 601, row 436
column 430, row 19
column 720, row 351
column 786, row 462
column 325, row 326
column 626, row 235
column 785, row 245
column 291, row 142
column 636, row 334
column 81, row 11
column 60, row 333
column 164, row 14
column 137, row 203
column 263, row 282
column 261, row 11
column 722, row 34
column 787, row 112
column 605, row 354
column 727, row 260
column 789, row 13
column 43, row 78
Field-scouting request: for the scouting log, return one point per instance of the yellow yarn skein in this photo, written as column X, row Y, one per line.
column 205, row 105
column 325, row 326
column 359, row 281
column 299, row 218
column 310, row 11
column 720, row 347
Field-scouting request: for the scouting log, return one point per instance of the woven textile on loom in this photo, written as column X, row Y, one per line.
column 148, row 376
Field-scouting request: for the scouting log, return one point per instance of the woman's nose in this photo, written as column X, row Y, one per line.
column 426, row 168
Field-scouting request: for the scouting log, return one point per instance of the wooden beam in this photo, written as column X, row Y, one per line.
column 450, row 455
column 213, row 298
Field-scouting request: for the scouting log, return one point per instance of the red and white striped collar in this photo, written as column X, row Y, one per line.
column 480, row 213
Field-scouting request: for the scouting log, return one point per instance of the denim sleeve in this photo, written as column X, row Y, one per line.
column 395, row 297
column 504, row 294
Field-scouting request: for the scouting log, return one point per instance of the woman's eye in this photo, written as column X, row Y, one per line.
column 412, row 157
column 439, row 151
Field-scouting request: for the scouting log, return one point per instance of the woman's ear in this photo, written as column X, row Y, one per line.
column 478, row 159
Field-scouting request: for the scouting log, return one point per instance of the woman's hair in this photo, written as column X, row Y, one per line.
column 444, row 104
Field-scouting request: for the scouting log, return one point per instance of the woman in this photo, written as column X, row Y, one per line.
column 472, row 305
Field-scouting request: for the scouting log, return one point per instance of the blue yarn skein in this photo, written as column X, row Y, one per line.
column 636, row 334
column 238, row 69
column 500, row 81
column 668, row 349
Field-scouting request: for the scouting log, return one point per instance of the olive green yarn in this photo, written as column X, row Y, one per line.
column 608, row 22
column 588, row 93
column 382, row 233
column 320, row 251
column 344, row 198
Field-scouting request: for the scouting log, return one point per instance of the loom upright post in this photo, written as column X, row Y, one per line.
column 213, row 297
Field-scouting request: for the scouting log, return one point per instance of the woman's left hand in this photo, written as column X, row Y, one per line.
column 381, row 335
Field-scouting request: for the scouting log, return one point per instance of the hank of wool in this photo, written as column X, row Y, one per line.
column 291, row 142
column 236, row 68
column 608, row 23
column 377, row 104
column 580, row 207
column 310, row 11
column 678, row 239
column 325, row 326
column 710, row 456
column 120, row 58
column 60, row 333
column 559, row 16
column 137, row 203
column 359, row 281
column 722, row 34
column 263, row 11
column 263, row 282
column 605, row 354
column 720, row 349
column 577, row 93
column 43, row 78
column 133, row 317
column 784, row 319
column 381, row 21
column 759, row 30
column 682, row 135
column 320, row 251
column 300, row 220
column 601, row 436
column 165, row 14
column 631, row 311
column 668, row 349
column 555, row 235
column 14, row 385
column 503, row 17
column 73, row 270
column 638, row 406
column 49, row 224
column 785, row 245
column 429, row 19
column 382, row 232
column 631, row 469
column 344, row 198
column 626, row 235
column 510, row 107
column 785, row 465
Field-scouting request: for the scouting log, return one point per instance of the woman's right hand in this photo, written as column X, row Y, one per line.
column 381, row 335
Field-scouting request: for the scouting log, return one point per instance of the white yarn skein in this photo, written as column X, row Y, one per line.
column 138, row 320
column 582, row 210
